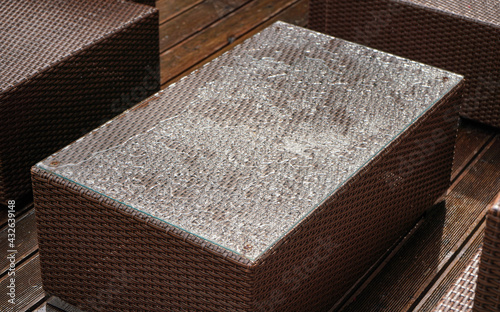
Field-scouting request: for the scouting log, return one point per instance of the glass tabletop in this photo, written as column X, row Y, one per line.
column 241, row 150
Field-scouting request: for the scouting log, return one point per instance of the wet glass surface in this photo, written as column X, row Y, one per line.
column 243, row 149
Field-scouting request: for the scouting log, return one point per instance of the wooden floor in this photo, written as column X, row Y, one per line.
column 194, row 31
column 414, row 277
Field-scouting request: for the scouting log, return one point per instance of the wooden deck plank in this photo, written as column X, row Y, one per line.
column 406, row 277
column 452, row 273
column 28, row 286
column 470, row 141
column 194, row 20
column 46, row 307
column 218, row 35
column 54, row 304
column 294, row 14
column 60, row 305
column 3, row 216
column 21, row 208
column 169, row 9
column 25, row 239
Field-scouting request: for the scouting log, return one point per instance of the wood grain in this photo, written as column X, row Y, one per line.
column 470, row 141
column 60, row 305
column 218, row 35
column 21, row 207
column 45, row 307
column 293, row 14
column 194, row 20
column 25, row 239
column 28, row 286
column 171, row 8
column 3, row 216
column 446, row 281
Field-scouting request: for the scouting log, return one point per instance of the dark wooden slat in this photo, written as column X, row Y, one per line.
column 25, row 238
column 449, row 277
column 45, row 307
column 213, row 38
column 60, row 305
column 21, row 207
column 169, row 9
column 376, row 269
column 183, row 26
column 3, row 216
column 470, row 140
column 294, row 14
column 405, row 278
column 28, row 286
column 54, row 304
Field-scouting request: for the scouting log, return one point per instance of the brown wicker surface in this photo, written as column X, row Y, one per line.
column 66, row 67
column 115, row 257
column 460, row 297
column 459, row 35
column 488, row 283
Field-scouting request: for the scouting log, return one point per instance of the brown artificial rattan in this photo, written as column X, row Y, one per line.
column 100, row 254
column 460, row 296
column 441, row 33
column 68, row 67
column 487, row 294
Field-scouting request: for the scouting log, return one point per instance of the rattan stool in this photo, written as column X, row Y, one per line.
column 270, row 179
column 66, row 67
column 458, row 35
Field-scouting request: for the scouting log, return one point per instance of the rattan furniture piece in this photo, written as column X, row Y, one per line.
column 478, row 286
column 458, row 35
column 487, row 297
column 270, row 179
column 66, row 67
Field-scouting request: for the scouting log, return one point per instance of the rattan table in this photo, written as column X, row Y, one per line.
column 270, row 179
column 66, row 67
column 462, row 36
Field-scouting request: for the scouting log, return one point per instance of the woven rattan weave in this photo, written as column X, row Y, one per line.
column 66, row 67
column 459, row 35
column 268, row 180
column 460, row 296
column 487, row 295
